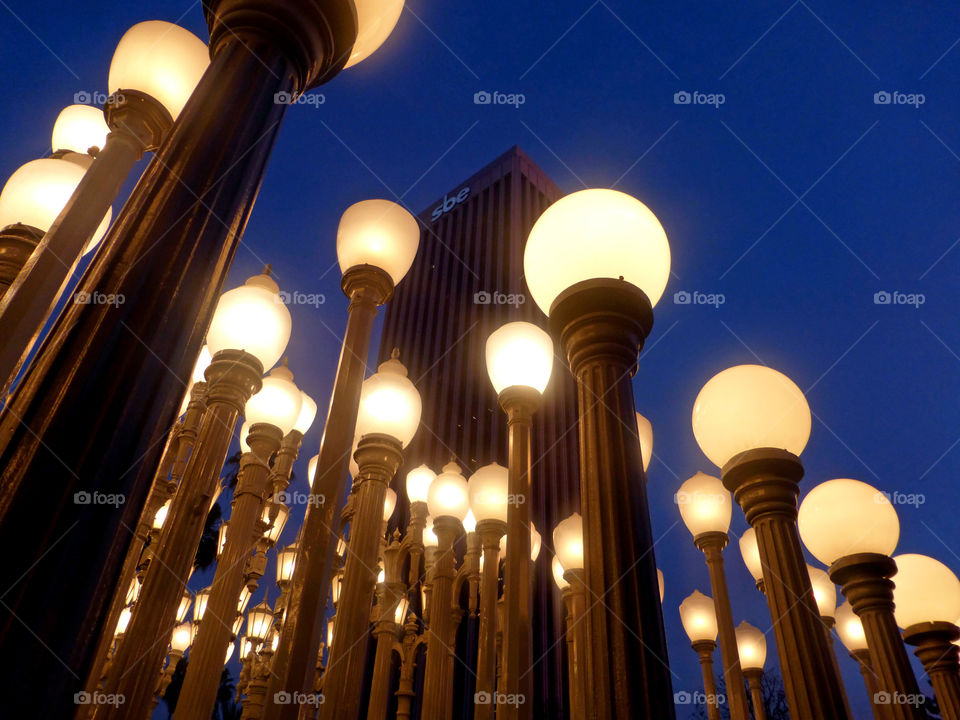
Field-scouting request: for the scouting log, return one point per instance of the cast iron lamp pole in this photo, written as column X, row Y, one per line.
column 572, row 255
column 753, row 421
column 699, row 618
column 408, row 648
column 370, row 273
column 752, row 648
column 825, row 595
column 850, row 630
column 391, row 615
column 167, row 255
column 852, row 528
column 706, row 509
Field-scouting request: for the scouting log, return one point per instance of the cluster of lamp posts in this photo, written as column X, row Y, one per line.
column 596, row 262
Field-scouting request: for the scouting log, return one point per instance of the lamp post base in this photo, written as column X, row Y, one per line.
column 865, row 663
column 754, row 678
column 941, row 660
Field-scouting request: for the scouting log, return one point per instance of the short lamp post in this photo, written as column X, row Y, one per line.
column 853, row 529
column 927, row 599
column 706, row 508
column 752, row 648
column 569, row 575
column 753, row 422
column 391, row 612
column 699, row 618
column 596, row 262
column 850, row 630
column 418, row 490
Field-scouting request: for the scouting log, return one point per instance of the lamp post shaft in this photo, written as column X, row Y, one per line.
column 935, row 648
column 438, row 630
column 865, row 663
column 405, row 693
column 574, row 597
column 704, row 650
column 712, row 544
column 385, row 633
column 754, row 680
column 828, row 623
column 490, row 532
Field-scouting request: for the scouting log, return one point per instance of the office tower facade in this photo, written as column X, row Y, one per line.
column 467, row 281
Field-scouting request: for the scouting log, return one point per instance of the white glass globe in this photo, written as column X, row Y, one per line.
column 845, row 517
column 79, row 128
column 389, row 503
column 535, row 543
column 824, row 591
column 430, row 538
column 312, row 468
column 200, row 367
column 182, row 637
column 253, row 318
column 244, row 431
column 926, row 591
column 308, row 412
column 645, row 435
column 519, row 354
column 278, row 402
column 558, row 571
column 568, row 542
column 379, row 233
column 389, row 403
column 596, row 234
column 750, row 552
column 705, row 504
column 418, row 483
column 470, row 523
column 699, row 617
column 751, row 646
column 161, row 59
column 376, row 20
column 850, row 629
column 488, row 489
column 746, row 407
column 449, row 495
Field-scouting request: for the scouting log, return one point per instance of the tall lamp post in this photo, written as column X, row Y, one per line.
column 596, row 262
column 853, row 528
column 388, row 419
column 753, row 422
column 376, row 243
column 706, row 509
column 699, row 618
column 850, row 630
column 752, row 647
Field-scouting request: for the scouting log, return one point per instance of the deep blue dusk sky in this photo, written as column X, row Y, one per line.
column 798, row 199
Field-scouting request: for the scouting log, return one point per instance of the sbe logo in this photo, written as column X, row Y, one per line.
column 449, row 203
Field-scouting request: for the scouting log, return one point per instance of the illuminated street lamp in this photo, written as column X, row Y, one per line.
column 752, row 648
column 853, row 528
column 750, row 553
column 850, row 630
column 596, row 262
column 753, row 422
column 699, row 618
column 706, row 509
column 418, row 488
column 568, row 562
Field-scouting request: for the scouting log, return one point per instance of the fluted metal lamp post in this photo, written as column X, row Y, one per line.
column 853, row 528
column 850, row 630
column 927, row 600
column 706, row 508
column 752, row 647
column 753, row 422
column 699, row 618
column 376, row 243
column 596, row 262
column 825, row 595
column 391, row 611
column 568, row 544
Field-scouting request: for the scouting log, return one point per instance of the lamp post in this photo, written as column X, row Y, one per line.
column 753, row 422
column 752, row 648
column 249, row 331
column 488, row 488
column 449, row 504
column 706, row 509
column 568, row 544
column 388, row 418
column 853, row 529
column 154, row 70
column 574, row 256
column 825, row 596
column 376, row 243
column 391, row 614
column 418, row 489
column 272, row 414
column 850, row 630
column 699, row 618
column 927, row 600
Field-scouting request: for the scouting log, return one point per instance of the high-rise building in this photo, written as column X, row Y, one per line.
column 467, row 281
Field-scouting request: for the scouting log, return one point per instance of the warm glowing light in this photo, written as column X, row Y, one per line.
column 660, row 583
column 430, row 538
column 850, row 629
column 278, row 403
column 519, row 354
column 312, row 468
column 645, row 436
column 308, row 412
column 280, row 513
column 926, row 591
column 378, row 233
column 400, row 613
column 699, row 617
column 186, row 600
column 449, row 494
column 376, row 20
column 259, row 621
column 161, row 515
column 389, row 403
column 488, row 490
column 181, row 638
column 470, row 523
column 418, row 483
column 200, row 367
column 200, row 604
column 133, row 592
column 558, row 571
column 750, row 552
column 123, row 621
column 535, row 543
column 705, row 505
column 79, row 128
column 568, row 542
column 751, row 646
column 222, row 537
column 824, row 591
column 286, row 561
column 389, row 503
column 244, row 600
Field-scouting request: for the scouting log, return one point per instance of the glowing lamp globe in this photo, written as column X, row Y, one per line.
column 244, row 432
column 519, row 354
column 181, row 638
column 568, row 542
column 705, row 504
column 308, row 412
column 378, row 233
column 375, row 21
column 312, row 468
column 389, row 403
column 449, row 494
column 278, row 403
column 645, row 436
column 229, row 653
column 558, row 571
column 161, row 59
column 253, row 318
column 750, row 552
column 418, row 483
column 699, row 617
column 430, row 538
column 536, row 542
column 596, row 234
column 850, row 628
column 184, row 607
column 123, row 621
column 79, row 128
column 751, row 646
column 259, row 621
column 400, row 612
column 161, row 515
column 660, row 582
column 381, row 576
column 824, row 591
column 470, row 523
column 389, row 503
column 488, row 490
column 200, row 367
column 747, row 407
column 200, row 604
column 845, row 517
column 926, row 591
column 286, row 561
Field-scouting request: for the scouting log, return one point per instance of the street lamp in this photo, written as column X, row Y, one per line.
column 850, row 630
column 80, row 129
column 596, row 262
column 418, row 488
column 752, row 648
column 377, row 241
column 853, row 528
column 825, row 596
column 388, row 418
column 699, row 618
column 706, row 509
column 753, row 422
column 645, row 436
column 750, row 552
column 927, row 600
column 568, row 545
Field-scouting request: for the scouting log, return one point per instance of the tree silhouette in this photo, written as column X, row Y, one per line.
column 226, row 707
column 774, row 699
